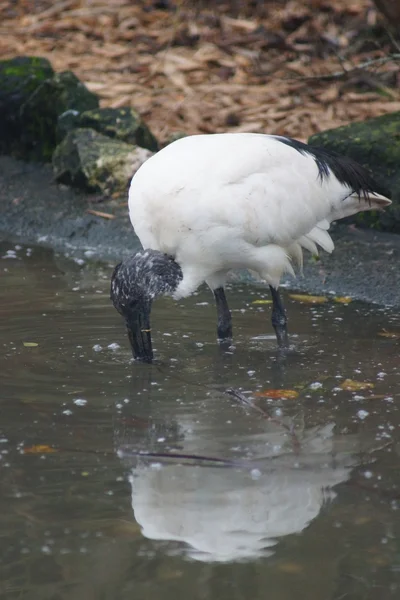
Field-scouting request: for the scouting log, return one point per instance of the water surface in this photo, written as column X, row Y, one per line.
column 282, row 498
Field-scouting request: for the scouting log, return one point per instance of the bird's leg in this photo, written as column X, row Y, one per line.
column 279, row 320
column 224, row 315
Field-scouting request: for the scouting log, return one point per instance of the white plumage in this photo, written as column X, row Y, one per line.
column 218, row 202
column 207, row 204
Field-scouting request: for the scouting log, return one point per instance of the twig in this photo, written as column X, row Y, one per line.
column 221, row 462
column 242, row 398
column 98, row 213
column 346, row 73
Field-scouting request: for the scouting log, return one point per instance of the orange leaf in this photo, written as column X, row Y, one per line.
column 39, row 449
column 353, row 386
column 286, row 394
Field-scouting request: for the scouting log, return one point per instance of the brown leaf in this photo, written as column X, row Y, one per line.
column 389, row 334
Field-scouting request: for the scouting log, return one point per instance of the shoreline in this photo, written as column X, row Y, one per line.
column 34, row 209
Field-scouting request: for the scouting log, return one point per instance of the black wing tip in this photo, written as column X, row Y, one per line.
column 346, row 170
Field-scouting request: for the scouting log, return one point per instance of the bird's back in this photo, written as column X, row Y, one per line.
column 251, row 183
column 213, row 198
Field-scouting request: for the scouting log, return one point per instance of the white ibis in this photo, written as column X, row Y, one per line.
column 207, row 204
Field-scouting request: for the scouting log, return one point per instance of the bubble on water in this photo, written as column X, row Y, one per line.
column 362, row 414
column 368, row 474
column 46, row 549
column 67, row 412
column 316, row 385
column 113, row 346
column 80, row 401
column 97, row 348
column 10, row 254
column 255, row 473
column 251, row 373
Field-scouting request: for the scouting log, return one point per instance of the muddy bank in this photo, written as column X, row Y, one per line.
column 34, row 209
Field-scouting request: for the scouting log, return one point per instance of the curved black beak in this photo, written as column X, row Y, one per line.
column 139, row 333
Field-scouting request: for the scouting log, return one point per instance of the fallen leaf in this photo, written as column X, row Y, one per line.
column 39, row 449
column 290, row 567
column 343, row 299
column 285, row 394
column 309, row 299
column 262, row 301
column 353, row 386
column 389, row 334
column 98, row 213
column 30, row 344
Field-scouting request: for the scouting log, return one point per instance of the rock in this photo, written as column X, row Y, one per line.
column 32, row 97
column 19, row 79
column 176, row 135
column 122, row 123
column 39, row 114
column 95, row 162
column 375, row 144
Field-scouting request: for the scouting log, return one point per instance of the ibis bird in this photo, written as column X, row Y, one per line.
column 207, row 204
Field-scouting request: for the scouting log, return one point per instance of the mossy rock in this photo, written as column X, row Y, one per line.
column 375, row 144
column 32, row 97
column 173, row 137
column 19, row 79
column 122, row 123
column 39, row 114
column 94, row 162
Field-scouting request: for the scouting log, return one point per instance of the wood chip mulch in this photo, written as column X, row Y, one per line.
column 291, row 68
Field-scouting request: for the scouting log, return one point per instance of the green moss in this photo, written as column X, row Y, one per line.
column 375, row 144
column 124, row 124
column 94, row 162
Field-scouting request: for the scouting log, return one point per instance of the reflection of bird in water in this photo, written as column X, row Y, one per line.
column 235, row 514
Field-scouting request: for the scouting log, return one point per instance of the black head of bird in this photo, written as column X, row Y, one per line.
column 135, row 283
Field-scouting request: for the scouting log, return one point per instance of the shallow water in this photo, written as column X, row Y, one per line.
column 303, row 501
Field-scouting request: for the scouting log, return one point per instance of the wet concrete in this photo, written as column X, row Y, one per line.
column 34, row 209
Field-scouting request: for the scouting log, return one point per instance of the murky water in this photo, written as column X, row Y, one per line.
column 281, row 498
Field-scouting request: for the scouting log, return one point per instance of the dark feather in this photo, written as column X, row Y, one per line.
column 346, row 170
